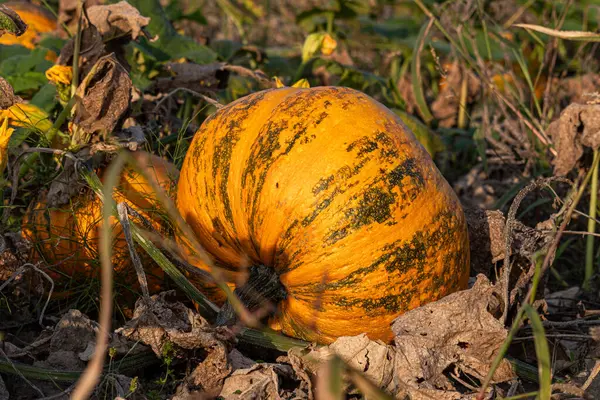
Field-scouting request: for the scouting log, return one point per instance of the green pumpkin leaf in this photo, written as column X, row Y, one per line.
column 169, row 44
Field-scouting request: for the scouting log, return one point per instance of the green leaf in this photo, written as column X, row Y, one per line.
column 45, row 97
column 417, row 78
column 226, row 49
column 175, row 12
column 25, row 71
column 170, row 45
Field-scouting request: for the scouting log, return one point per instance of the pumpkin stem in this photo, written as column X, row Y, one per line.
column 261, row 289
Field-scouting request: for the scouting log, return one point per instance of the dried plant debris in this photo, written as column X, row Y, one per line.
column 91, row 49
column 458, row 330
column 117, row 20
column 7, row 95
column 14, row 252
column 10, row 22
column 68, row 183
column 486, row 237
column 68, row 13
column 459, row 334
column 260, row 381
column 577, row 127
column 4, row 395
column 192, row 76
column 160, row 322
column 446, row 106
column 104, row 95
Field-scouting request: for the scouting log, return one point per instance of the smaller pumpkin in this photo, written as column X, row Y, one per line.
column 38, row 20
column 68, row 237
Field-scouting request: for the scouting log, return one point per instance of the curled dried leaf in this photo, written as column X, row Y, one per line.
column 7, row 95
column 104, row 97
column 192, row 76
column 458, row 330
column 117, row 20
column 92, row 48
column 39, row 21
column 11, row 22
column 577, row 127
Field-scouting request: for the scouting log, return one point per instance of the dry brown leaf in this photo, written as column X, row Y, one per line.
column 486, row 236
column 92, row 48
column 68, row 13
column 192, row 76
column 238, row 360
column 261, row 381
column 210, row 374
column 446, row 105
column 14, row 251
column 374, row 359
column 159, row 323
column 104, row 100
column 457, row 330
column 577, row 127
column 7, row 95
column 161, row 320
column 117, row 20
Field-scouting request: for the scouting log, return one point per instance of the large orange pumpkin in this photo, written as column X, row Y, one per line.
column 330, row 189
column 38, row 19
column 68, row 237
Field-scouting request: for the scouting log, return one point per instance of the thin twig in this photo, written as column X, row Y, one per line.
column 575, row 322
column 37, row 389
column 212, row 102
column 61, row 394
column 16, row 172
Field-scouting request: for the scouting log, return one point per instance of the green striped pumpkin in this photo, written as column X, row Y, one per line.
column 331, row 190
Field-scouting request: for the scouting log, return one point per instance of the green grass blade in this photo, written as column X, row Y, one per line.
column 542, row 353
column 416, row 77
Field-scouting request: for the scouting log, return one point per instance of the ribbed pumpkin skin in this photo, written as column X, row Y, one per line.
column 38, row 20
column 69, row 235
column 329, row 188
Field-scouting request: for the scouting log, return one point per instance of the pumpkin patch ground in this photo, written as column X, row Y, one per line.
column 299, row 200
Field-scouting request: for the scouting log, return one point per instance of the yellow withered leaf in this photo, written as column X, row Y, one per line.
column 5, row 133
column 27, row 116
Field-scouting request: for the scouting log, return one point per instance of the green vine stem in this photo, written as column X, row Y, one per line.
column 589, row 245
